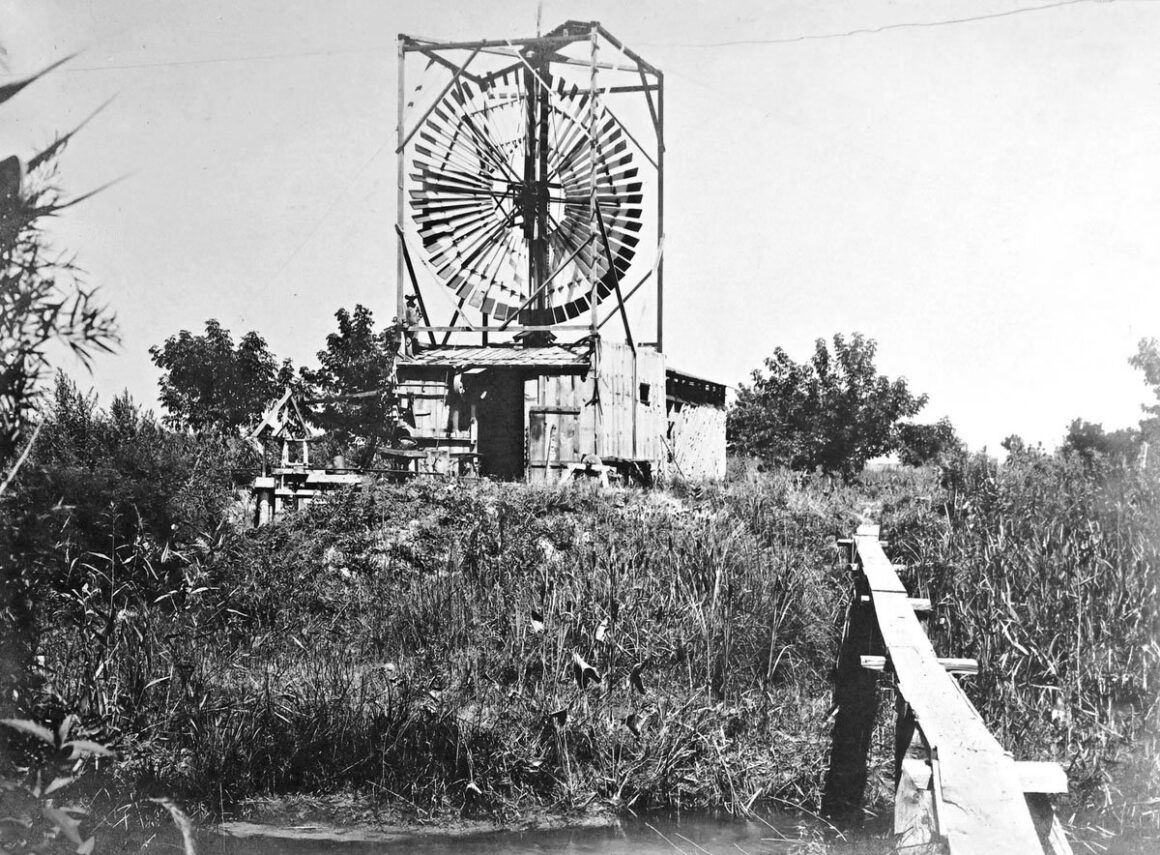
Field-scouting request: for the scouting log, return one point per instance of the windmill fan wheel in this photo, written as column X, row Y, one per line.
column 495, row 181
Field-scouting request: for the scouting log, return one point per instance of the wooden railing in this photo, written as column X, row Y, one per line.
column 956, row 786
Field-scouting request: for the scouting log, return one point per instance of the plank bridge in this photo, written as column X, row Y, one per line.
column 958, row 790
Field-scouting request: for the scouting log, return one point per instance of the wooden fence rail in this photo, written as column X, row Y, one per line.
column 956, row 786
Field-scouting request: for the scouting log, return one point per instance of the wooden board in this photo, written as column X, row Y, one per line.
column 696, row 440
column 915, row 827
column 979, row 800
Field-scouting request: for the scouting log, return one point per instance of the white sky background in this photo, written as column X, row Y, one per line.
column 982, row 198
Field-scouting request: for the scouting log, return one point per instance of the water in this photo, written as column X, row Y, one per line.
column 687, row 835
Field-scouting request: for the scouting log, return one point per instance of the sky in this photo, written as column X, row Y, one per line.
column 972, row 183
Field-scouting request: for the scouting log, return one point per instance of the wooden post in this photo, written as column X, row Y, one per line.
column 914, row 819
column 660, row 211
column 904, row 732
column 856, row 699
column 400, row 177
column 1047, row 824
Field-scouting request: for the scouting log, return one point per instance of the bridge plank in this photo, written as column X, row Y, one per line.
column 982, row 808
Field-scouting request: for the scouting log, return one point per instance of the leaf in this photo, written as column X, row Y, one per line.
column 86, row 848
column 67, row 825
column 66, row 726
column 31, row 728
column 85, row 746
column 56, row 783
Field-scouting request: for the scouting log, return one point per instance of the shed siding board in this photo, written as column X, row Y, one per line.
column 627, row 428
column 442, row 418
column 697, row 441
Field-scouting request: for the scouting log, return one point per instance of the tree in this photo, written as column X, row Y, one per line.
column 923, row 444
column 356, row 379
column 1147, row 359
column 834, row 412
column 208, row 384
column 107, row 479
column 1090, row 442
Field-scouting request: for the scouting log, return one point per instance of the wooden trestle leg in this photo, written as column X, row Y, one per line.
column 856, row 700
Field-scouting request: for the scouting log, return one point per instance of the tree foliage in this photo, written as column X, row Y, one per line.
column 355, row 379
column 1090, row 442
column 209, row 384
column 1147, row 359
column 919, row 445
column 834, row 412
column 103, row 478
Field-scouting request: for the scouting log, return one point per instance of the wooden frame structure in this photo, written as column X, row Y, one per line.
column 540, row 66
column 293, row 481
column 956, row 786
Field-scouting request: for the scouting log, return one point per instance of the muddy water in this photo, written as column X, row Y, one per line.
column 653, row 836
column 688, row 835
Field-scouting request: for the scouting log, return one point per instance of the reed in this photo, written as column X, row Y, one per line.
column 1047, row 570
column 416, row 643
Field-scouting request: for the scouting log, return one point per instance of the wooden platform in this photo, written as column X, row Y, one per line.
column 955, row 783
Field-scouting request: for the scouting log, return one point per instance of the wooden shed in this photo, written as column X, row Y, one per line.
column 547, row 413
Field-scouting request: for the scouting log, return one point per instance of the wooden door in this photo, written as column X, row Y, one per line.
column 553, row 441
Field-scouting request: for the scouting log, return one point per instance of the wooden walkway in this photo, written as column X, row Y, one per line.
column 957, row 789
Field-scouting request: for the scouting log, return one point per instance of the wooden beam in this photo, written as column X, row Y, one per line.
column 612, row 271
column 438, row 98
column 445, row 62
column 856, row 700
column 952, row 666
column 978, row 799
column 515, row 328
column 414, row 285
column 1047, row 823
column 652, row 107
column 545, row 284
column 1035, row 776
column 921, row 605
column 635, row 141
column 915, row 827
column 624, row 49
column 424, row 45
column 1041, row 776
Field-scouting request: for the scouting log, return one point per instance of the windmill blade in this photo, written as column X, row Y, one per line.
column 470, row 198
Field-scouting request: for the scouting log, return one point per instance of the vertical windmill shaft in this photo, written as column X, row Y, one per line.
column 536, row 195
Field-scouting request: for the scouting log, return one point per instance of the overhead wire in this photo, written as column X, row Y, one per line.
column 967, row 19
column 865, row 31
column 325, row 215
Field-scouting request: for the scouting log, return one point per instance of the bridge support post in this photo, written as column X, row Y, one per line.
column 915, row 817
column 1047, row 824
column 856, row 701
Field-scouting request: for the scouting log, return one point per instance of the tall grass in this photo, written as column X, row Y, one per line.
column 416, row 643
column 1047, row 570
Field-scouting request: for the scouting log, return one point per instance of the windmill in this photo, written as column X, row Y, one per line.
column 530, row 215
column 530, row 192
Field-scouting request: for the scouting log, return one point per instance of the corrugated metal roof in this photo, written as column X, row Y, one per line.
column 553, row 358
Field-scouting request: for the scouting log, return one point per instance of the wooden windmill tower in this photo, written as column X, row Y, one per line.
column 530, row 235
